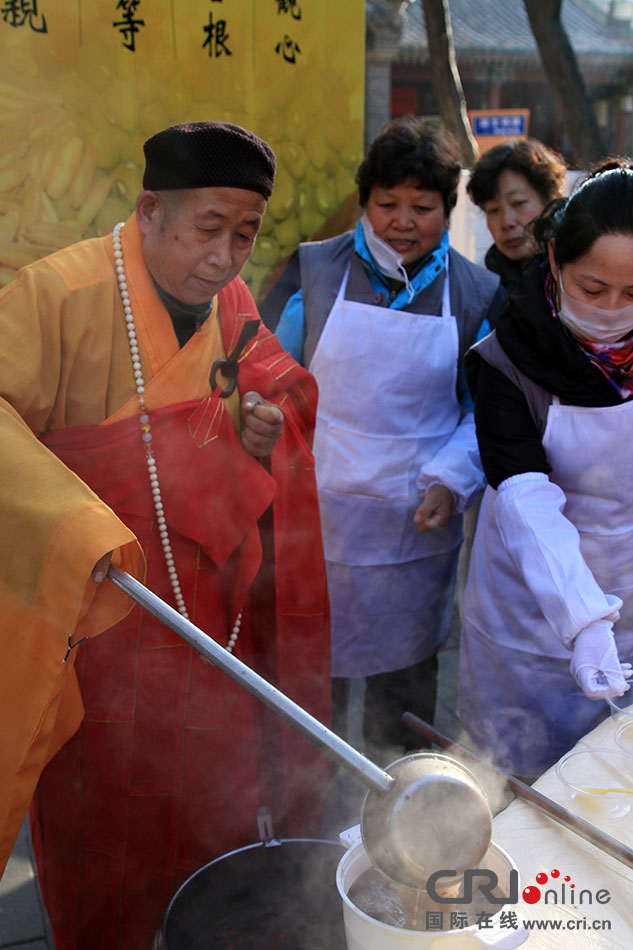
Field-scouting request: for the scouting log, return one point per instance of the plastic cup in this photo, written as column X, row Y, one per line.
column 599, row 782
column 624, row 736
column 621, row 707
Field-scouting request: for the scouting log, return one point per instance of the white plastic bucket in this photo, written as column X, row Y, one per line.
column 365, row 933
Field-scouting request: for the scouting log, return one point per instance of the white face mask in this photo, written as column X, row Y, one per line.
column 388, row 260
column 592, row 323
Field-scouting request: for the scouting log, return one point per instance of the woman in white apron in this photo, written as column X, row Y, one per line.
column 386, row 313
column 548, row 608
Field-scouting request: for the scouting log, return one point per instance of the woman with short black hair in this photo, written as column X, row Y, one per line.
column 382, row 318
column 512, row 183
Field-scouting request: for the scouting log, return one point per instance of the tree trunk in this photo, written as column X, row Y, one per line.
column 570, row 93
column 446, row 82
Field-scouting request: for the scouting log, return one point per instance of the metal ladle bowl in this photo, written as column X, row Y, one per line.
column 434, row 817
column 424, row 813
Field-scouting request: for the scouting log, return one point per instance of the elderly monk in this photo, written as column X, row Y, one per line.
column 148, row 418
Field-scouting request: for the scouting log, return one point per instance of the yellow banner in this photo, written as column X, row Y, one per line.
column 85, row 82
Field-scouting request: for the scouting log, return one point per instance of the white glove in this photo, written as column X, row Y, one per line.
column 595, row 664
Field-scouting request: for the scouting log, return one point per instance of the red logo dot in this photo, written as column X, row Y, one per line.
column 541, row 878
column 567, row 877
column 572, row 885
column 531, row 894
column 555, row 873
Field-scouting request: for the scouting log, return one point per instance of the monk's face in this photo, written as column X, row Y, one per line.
column 197, row 240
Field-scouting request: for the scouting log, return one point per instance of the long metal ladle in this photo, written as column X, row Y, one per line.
column 409, row 808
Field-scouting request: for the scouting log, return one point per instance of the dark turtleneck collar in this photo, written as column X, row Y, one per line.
column 510, row 272
column 187, row 318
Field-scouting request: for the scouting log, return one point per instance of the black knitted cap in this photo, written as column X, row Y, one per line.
column 208, row 155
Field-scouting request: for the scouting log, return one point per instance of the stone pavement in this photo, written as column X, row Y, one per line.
column 23, row 920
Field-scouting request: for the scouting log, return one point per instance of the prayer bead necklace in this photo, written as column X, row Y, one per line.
column 146, row 436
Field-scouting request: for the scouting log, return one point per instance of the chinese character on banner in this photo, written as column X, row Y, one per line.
column 128, row 26
column 16, row 13
column 289, row 6
column 288, row 49
column 216, row 37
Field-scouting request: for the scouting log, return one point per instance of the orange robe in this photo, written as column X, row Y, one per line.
column 173, row 758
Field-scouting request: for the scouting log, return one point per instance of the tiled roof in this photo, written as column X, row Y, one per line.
column 486, row 27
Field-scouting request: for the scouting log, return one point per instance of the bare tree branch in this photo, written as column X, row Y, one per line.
column 446, row 82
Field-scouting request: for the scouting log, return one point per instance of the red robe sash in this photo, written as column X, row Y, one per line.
column 173, row 758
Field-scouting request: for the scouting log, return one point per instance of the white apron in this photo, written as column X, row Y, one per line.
column 516, row 694
column 387, row 403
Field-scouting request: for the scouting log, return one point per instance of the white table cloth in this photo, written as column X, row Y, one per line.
column 538, row 844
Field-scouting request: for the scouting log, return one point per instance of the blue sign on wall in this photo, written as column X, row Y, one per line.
column 499, row 124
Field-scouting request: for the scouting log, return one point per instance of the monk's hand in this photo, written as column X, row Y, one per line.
column 262, row 424
column 435, row 510
column 100, row 569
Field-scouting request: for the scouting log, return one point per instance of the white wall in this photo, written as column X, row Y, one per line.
column 468, row 231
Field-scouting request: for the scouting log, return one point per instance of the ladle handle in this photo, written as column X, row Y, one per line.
column 564, row 817
column 346, row 755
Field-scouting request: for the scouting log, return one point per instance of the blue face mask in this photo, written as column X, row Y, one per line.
column 588, row 322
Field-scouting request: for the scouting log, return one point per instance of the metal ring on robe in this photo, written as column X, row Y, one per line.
column 228, row 368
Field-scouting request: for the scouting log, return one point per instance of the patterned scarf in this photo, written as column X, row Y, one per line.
column 614, row 360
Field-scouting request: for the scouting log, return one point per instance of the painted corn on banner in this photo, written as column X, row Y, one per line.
column 84, row 82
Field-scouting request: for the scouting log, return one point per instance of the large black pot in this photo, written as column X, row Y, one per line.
column 279, row 896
